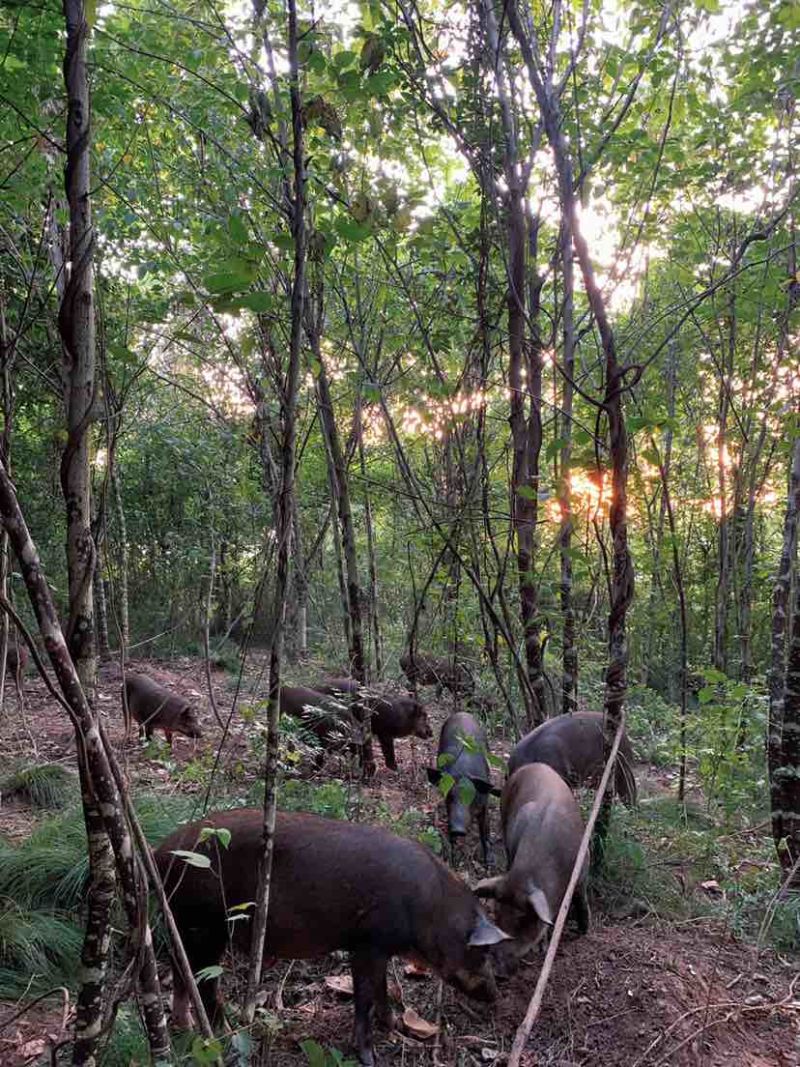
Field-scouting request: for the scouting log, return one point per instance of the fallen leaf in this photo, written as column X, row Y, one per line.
column 340, row 983
column 712, row 887
column 418, row 1027
column 32, row 1048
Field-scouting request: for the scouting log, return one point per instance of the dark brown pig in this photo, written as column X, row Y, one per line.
column 542, row 829
column 335, row 885
column 462, row 756
column 573, row 746
column 335, row 725
column 443, row 673
column 157, row 708
column 392, row 717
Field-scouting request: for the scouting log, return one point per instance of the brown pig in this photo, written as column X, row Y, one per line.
column 332, row 723
column 462, row 756
column 449, row 674
column 573, row 746
column 444, row 673
column 335, row 885
column 542, row 829
column 157, row 708
column 392, row 717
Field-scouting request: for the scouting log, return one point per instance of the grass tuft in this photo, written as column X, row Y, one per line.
column 47, row 785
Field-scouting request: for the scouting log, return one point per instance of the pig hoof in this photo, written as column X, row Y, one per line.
column 366, row 1058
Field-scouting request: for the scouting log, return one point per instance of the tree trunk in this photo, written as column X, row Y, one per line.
column 340, row 483
column 786, row 816
column 5, row 456
column 569, row 656
column 374, row 617
column 524, row 477
column 622, row 577
column 121, row 584
column 77, row 329
column 283, row 518
column 105, row 821
column 101, row 608
column 779, row 675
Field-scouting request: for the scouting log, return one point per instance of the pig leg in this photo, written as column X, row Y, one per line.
column 204, row 948
column 580, row 909
column 168, row 735
column 482, row 819
column 387, row 748
column 371, row 1000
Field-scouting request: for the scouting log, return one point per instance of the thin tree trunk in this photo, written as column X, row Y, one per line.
column 786, row 827
column 524, row 477
column 371, row 557
column 105, row 821
column 778, row 675
column 101, row 608
column 5, row 457
column 283, row 517
column 77, row 329
column 622, row 577
column 121, row 585
column 300, row 585
column 569, row 660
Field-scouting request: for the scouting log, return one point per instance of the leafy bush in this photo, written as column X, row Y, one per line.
column 38, row 950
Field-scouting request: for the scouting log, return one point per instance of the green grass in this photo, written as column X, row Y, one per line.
column 38, row 950
column 47, row 785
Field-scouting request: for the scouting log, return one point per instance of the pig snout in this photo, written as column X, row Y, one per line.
column 478, row 983
column 422, row 728
column 458, row 818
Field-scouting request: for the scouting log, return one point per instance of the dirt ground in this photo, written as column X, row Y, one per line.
column 639, row 993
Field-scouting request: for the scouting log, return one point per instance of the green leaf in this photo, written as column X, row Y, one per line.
column 221, row 833
column 206, row 1051
column 707, row 694
column 238, row 230
column 314, row 1053
column 350, row 230
column 527, row 492
column 554, row 447
column 466, row 791
column 236, row 275
column 207, row 974
column 259, row 301
column 194, row 859
column 444, row 759
column 446, row 783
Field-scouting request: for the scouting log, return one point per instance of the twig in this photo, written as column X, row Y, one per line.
column 538, row 994
column 32, row 1004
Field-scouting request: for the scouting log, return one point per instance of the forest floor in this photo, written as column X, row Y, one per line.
column 641, row 989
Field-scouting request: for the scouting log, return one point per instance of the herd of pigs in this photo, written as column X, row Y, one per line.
column 351, row 886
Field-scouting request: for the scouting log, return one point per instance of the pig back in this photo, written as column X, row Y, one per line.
column 148, row 700
column 335, row 885
column 466, row 763
column 573, row 746
column 542, row 827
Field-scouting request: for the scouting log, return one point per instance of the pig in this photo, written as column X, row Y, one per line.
column 332, row 723
column 157, row 708
column 335, row 885
column 392, row 717
column 542, row 829
column 421, row 669
column 573, row 746
column 464, row 763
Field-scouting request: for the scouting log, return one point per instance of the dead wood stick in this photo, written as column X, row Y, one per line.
column 538, row 994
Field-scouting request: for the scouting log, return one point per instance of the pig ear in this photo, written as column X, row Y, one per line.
column 540, row 904
column 487, row 887
column 486, row 934
column 434, row 775
column 484, row 787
